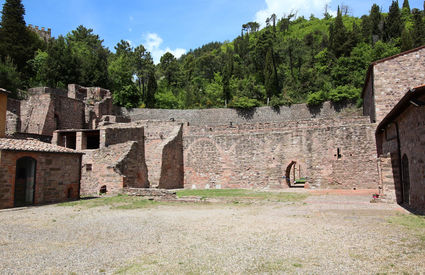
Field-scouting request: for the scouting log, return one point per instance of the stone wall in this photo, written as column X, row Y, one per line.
column 164, row 153
column 57, row 175
column 411, row 124
column 44, row 113
column 226, row 115
column 115, row 167
column 330, row 153
column 391, row 79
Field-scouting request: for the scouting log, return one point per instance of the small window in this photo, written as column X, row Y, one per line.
column 89, row 167
column 338, row 153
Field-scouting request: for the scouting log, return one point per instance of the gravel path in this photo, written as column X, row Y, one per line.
column 325, row 234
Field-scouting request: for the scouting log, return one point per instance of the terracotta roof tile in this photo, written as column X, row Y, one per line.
column 32, row 145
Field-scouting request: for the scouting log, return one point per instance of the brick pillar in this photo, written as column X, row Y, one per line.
column 81, row 141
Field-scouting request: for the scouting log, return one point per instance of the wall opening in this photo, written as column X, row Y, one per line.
column 70, row 140
column 93, row 140
column 103, row 190
column 25, row 181
column 69, row 193
column 405, row 185
column 89, row 167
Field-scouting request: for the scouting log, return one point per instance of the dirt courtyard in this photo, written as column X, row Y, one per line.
column 317, row 234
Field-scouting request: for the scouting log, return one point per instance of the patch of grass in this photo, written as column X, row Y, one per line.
column 410, row 221
column 115, row 202
column 242, row 193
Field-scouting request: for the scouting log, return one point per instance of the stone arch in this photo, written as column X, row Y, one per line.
column 24, row 188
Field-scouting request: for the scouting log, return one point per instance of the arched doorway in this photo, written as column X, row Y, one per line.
column 405, row 177
column 25, row 181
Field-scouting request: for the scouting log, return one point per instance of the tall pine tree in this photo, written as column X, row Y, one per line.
column 376, row 21
column 270, row 77
column 16, row 40
column 393, row 23
column 418, row 30
column 338, row 36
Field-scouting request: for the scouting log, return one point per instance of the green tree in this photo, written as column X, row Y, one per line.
column 338, row 36
column 406, row 40
column 271, row 83
column 92, row 57
column 169, row 69
column 151, row 90
column 227, row 75
column 58, row 66
column 406, row 5
column 10, row 78
column 376, row 21
column 16, row 40
column 418, row 30
column 393, row 23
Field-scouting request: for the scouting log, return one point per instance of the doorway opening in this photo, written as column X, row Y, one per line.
column 25, row 181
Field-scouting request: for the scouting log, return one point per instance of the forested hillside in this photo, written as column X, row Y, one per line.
column 292, row 60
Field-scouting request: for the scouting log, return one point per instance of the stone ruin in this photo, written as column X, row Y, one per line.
column 332, row 147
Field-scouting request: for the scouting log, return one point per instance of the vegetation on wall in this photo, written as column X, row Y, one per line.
column 291, row 60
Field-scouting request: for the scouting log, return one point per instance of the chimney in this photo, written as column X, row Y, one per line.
column 3, row 108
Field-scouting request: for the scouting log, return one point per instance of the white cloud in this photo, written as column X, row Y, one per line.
column 153, row 44
column 285, row 7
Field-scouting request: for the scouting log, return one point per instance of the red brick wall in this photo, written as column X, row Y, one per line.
column 257, row 155
column 55, row 174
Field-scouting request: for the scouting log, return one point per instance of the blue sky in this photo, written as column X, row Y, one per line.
column 175, row 26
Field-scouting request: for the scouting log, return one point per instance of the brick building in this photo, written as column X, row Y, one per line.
column 401, row 144
column 389, row 78
column 34, row 172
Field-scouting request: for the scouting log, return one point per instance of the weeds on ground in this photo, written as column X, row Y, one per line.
column 115, row 202
column 414, row 223
column 243, row 194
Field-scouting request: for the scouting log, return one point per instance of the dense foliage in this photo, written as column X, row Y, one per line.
column 291, row 60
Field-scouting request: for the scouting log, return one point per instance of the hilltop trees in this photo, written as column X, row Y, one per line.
column 17, row 44
column 291, row 60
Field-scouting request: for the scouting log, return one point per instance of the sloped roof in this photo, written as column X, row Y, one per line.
column 33, row 145
column 369, row 71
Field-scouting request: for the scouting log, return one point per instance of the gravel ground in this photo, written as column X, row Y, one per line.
column 325, row 234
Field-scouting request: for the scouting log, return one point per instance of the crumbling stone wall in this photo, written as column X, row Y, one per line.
column 44, row 113
column 257, row 155
column 164, row 153
column 118, row 163
column 390, row 79
column 172, row 167
column 57, row 174
column 116, row 167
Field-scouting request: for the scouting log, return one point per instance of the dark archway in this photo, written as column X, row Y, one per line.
column 405, row 184
column 25, row 181
column 288, row 173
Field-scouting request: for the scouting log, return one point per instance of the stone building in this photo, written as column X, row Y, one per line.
column 42, row 32
column 401, row 144
column 35, row 172
column 389, row 78
column 114, row 157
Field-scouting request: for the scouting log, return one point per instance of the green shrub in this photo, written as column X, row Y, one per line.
column 344, row 94
column 316, row 98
